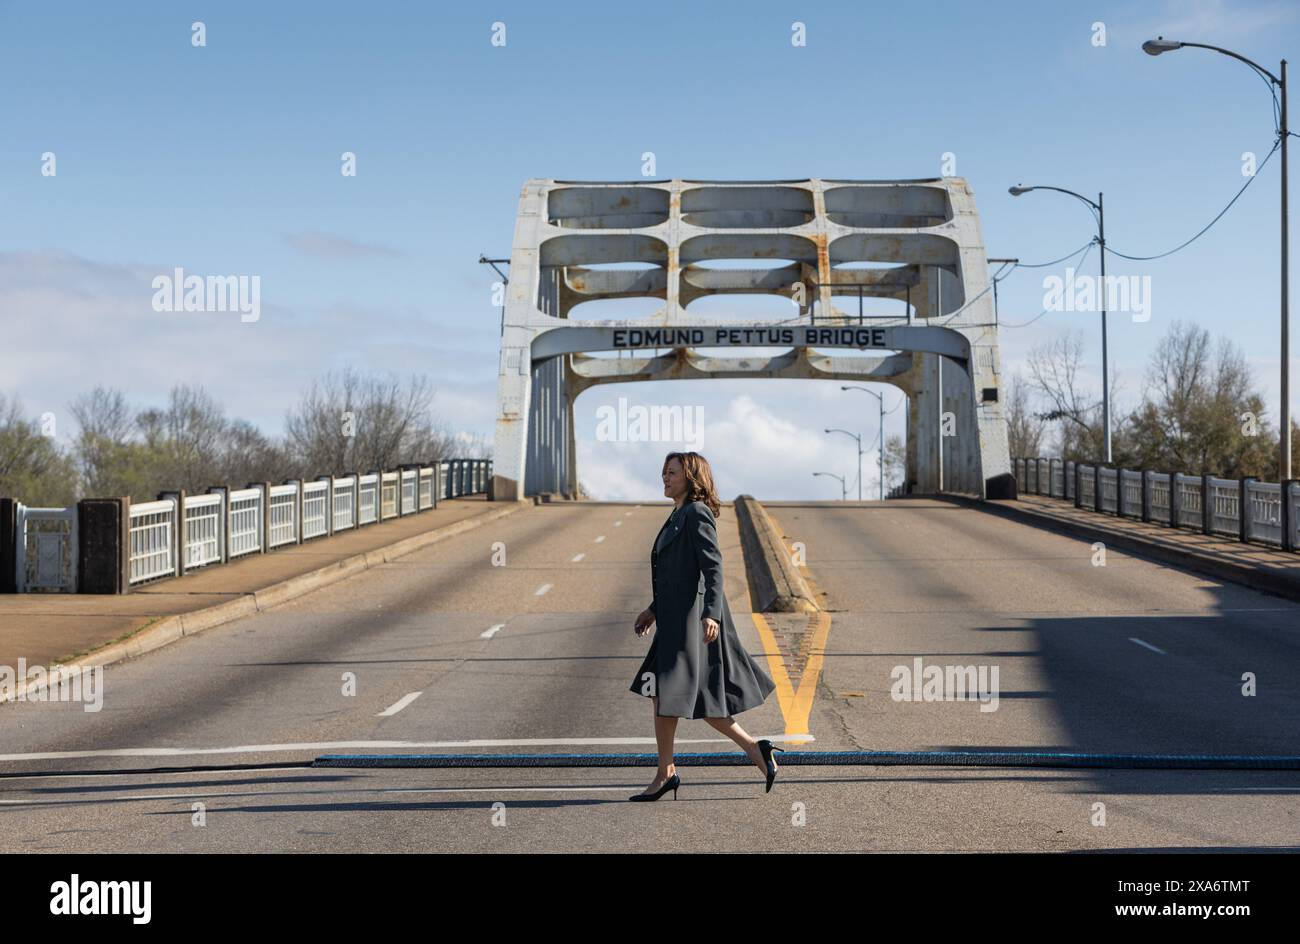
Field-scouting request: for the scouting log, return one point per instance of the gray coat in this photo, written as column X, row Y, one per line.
column 691, row 678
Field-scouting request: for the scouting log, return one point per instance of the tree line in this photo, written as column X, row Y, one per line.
column 345, row 421
column 1200, row 410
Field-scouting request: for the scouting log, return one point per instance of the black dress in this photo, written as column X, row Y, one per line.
column 692, row 678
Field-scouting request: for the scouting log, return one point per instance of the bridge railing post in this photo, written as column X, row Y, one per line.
column 1207, row 504
column 1288, row 516
column 1243, row 507
column 1096, row 487
column 1146, row 495
column 180, row 530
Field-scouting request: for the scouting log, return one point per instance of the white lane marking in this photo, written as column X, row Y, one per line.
column 252, row 793
column 626, row 513
column 1147, row 644
column 599, row 539
column 542, row 589
column 618, row 524
column 371, row 745
column 398, row 705
column 491, row 631
column 578, row 557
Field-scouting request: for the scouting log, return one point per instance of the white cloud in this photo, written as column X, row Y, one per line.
column 72, row 323
column 334, row 248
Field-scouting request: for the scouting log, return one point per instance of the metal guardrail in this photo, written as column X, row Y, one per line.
column 177, row 533
column 1245, row 509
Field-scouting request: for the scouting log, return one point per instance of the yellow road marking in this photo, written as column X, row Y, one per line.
column 795, row 703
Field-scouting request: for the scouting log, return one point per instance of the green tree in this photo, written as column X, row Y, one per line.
column 33, row 467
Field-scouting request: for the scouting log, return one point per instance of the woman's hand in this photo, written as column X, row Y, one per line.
column 710, row 627
column 644, row 621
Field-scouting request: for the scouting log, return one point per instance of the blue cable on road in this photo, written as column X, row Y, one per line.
column 833, row 759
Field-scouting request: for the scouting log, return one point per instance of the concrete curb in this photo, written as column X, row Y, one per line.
column 777, row 585
column 172, row 628
column 1187, row 559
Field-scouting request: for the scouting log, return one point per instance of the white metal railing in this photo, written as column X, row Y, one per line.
column 388, row 491
column 170, row 536
column 151, row 532
column 1225, row 499
column 1190, row 514
column 426, row 488
column 1107, row 481
column 284, row 515
column 1264, row 517
column 1245, row 509
column 246, row 520
column 203, row 532
column 1087, row 486
column 1130, row 494
column 369, row 503
column 315, row 509
column 345, row 496
column 1158, row 486
column 410, row 494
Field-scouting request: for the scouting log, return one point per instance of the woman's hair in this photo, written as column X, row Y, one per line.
column 699, row 479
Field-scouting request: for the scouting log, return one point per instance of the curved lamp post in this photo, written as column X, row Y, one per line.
column 1100, row 215
column 1154, row 47
column 844, row 489
column 881, row 400
column 859, row 439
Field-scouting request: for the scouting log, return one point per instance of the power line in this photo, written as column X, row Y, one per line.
column 1043, row 265
column 1249, row 181
column 1024, row 324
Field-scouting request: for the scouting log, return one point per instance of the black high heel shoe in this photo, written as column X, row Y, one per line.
column 766, row 748
column 672, row 783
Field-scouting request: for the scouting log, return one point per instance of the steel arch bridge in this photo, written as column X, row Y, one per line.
column 921, row 237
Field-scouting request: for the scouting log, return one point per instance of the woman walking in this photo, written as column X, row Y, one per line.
column 696, row 666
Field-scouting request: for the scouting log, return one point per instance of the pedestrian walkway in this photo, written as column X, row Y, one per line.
column 1256, row 565
column 48, row 628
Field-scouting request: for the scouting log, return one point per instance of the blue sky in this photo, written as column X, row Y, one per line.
column 225, row 159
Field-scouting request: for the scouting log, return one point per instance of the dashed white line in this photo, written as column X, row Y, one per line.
column 618, row 524
column 398, row 705
column 542, row 589
column 599, row 539
column 1147, row 644
column 578, row 557
column 491, row 631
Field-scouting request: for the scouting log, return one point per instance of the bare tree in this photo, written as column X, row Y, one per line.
column 1054, row 373
column 1025, row 429
column 895, row 461
column 105, row 428
column 348, row 421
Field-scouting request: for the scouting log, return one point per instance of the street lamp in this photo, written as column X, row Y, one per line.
column 1154, row 47
column 859, row 439
column 844, row 489
column 1100, row 215
column 881, row 400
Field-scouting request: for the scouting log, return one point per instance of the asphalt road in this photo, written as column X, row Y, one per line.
column 449, row 650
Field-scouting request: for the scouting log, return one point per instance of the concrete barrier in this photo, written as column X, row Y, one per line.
column 775, row 581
